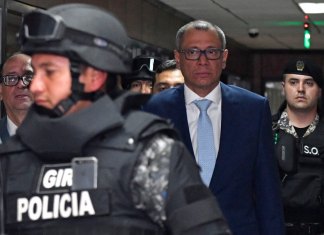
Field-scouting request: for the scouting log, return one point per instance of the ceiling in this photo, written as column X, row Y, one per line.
column 279, row 22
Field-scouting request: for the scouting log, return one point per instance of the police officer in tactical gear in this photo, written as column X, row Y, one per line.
column 298, row 134
column 81, row 163
column 142, row 77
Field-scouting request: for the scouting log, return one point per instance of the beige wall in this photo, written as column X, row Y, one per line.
column 148, row 21
column 156, row 24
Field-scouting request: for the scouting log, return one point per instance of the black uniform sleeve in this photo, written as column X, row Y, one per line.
column 190, row 207
column 150, row 180
column 166, row 185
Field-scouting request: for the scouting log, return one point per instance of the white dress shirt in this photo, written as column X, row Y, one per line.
column 214, row 112
column 11, row 127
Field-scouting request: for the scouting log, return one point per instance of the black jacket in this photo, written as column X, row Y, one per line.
column 141, row 167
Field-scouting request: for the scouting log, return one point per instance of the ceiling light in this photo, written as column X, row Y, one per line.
column 312, row 8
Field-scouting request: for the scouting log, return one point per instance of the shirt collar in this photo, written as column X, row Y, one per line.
column 11, row 127
column 215, row 95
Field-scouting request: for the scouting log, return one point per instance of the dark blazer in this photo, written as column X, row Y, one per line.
column 245, row 180
column 4, row 134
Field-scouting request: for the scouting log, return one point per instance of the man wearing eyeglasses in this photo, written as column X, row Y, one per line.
column 228, row 131
column 16, row 77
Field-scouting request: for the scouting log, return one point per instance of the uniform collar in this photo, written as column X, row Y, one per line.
column 215, row 95
column 70, row 132
column 284, row 124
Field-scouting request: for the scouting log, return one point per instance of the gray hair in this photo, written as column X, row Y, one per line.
column 200, row 25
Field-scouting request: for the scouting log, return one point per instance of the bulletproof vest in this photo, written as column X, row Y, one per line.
column 38, row 194
column 301, row 162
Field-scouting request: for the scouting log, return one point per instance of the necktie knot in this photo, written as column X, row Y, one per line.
column 202, row 104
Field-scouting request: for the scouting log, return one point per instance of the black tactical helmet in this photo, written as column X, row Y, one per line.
column 81, row 32
column 143, row 68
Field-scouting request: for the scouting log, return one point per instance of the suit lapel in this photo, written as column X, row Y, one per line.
column 180, row 117
column 229, row 121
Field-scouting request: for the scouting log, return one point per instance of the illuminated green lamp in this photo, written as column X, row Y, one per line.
column 307, row 39
column 307, row 36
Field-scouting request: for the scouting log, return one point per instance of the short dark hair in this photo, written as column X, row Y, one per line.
column 166, row 65
column 200, row 25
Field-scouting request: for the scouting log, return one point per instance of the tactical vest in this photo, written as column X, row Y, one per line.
column 38, row 195
column 301, row 162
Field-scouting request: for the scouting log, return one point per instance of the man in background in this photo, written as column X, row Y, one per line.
column 16, row 76
column 167, row 75
column 142, row 78
column 298, row 130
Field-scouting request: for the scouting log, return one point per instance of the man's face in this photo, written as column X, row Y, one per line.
column 142, row 86
column 52, row 80
column 167, row 79
column 17, row 98
column 301, row 92
column 201, row 75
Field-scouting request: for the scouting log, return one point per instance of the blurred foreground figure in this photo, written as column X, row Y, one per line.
column 81, row 163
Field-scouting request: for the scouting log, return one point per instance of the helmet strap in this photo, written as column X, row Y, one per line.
column 77, row 93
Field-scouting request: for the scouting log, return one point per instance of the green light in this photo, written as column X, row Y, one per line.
column 319, row 22
column 307, row 39
column 292, row 23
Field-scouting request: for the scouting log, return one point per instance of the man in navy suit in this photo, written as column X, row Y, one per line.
column 245, row 177
column 17, row 74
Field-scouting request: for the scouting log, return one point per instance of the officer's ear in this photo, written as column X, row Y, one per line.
column 93, row 79
column 177, row 57
column 224, row 58
column 99, row 79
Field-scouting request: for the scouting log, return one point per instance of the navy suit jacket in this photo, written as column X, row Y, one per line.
column 245, row 180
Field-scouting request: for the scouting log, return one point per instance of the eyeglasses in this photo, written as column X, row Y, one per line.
column 12, row 80
column 151, row 64
column 195, row 53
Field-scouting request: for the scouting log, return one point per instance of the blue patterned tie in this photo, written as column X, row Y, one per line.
column 205, row 141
